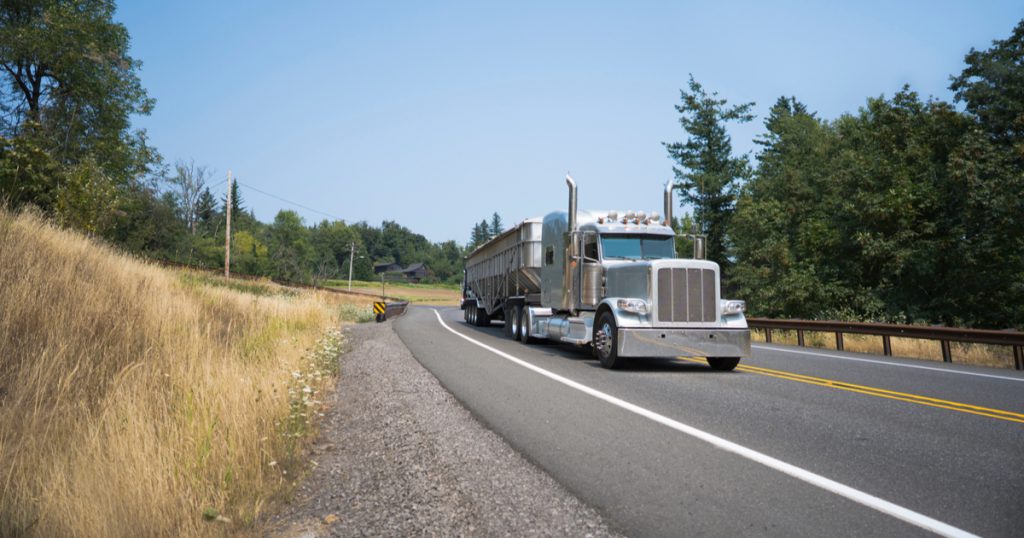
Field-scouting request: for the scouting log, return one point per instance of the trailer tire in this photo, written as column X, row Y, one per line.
column 723, row 364
column 606, row 345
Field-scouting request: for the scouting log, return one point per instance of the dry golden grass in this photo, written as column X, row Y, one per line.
column 134, row 398
column 976, row 354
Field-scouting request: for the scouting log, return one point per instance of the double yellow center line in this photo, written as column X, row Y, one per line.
column 882, row 393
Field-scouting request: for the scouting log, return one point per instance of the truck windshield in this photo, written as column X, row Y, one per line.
column 638, row 247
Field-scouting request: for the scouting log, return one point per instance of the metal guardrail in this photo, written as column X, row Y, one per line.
column 944, row 335
column 389, row 310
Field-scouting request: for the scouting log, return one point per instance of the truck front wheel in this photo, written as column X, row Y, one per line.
column 606, row 345
column 723, row 364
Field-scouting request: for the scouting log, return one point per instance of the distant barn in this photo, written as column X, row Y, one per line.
column 389, row 267
column 415, row 272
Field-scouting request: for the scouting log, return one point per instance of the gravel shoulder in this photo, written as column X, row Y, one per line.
column 399, row 456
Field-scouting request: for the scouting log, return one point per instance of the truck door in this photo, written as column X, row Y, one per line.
column 591, row 272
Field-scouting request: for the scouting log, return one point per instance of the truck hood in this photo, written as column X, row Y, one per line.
column 680, row 292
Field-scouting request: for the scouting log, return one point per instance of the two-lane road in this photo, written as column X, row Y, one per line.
column 795, row 442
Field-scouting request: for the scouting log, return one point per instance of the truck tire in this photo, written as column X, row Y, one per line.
column 524, row 326
column 723, row 364
column 482, row 319
column 606, row 344
column 515, row 322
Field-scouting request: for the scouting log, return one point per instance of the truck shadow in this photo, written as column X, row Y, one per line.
column 583, row 355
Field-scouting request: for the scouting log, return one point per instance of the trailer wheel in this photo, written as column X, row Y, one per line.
column 723, row 364
column 515, row 322
column 606, row 345
column 471, row 315
column 465, row 314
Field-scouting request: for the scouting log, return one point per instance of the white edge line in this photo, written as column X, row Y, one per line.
column 886, row 363
column 866, row 499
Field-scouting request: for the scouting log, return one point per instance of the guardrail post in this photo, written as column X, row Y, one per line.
column 947, row 356
column 767, row 335
column 839, row 341
column 1018, row 358
column 800, row 337
column 886, row 346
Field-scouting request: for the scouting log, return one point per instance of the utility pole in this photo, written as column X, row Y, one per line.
column 351, row 258
column 227, row 233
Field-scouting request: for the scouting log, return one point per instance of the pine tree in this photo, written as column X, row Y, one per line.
column 206, row 210
column 236, row 200
column 496, row 225
column 707, row 174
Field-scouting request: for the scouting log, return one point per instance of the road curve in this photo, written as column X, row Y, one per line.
column 795, row 442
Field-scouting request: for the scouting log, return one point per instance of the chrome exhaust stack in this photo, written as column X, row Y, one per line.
column 572, row 202
column 668, row 203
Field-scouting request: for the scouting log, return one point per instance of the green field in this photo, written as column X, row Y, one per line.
column 430, row 294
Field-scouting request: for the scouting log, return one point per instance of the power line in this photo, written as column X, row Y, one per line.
column 307, row 208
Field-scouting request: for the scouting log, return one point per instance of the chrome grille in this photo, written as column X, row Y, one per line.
column 687, row 295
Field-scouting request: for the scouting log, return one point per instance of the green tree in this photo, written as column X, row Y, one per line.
column 249, row 256
column 782, row 231
column 206, row 212
column 237, row 209
column 292, row 257
column 894, row 209
column 482, row 233
column 992, row 88
column 70, row 87
column 707, row 174
column 28, row 174
column 496, row 226
column 333, row 239
column 988, row 176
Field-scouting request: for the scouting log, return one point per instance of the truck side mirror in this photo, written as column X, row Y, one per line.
column 699, row 248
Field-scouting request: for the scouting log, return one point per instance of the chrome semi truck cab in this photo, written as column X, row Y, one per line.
column 612, row 281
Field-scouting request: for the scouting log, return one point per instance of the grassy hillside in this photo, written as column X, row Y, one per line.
column 136, row 400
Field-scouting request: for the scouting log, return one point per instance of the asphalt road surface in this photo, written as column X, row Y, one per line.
column 795, row 442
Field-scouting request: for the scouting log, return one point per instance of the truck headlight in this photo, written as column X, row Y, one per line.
column 733, row 307
column 636, row 306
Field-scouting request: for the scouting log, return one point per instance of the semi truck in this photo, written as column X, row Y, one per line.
column 607, row 280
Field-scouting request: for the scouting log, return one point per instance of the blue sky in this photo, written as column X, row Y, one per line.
column 437, row 114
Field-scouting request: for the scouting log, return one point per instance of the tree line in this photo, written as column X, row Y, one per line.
column 484, row 231
column 909, row 210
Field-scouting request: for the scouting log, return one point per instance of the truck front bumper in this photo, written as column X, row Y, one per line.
column 684, row 342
